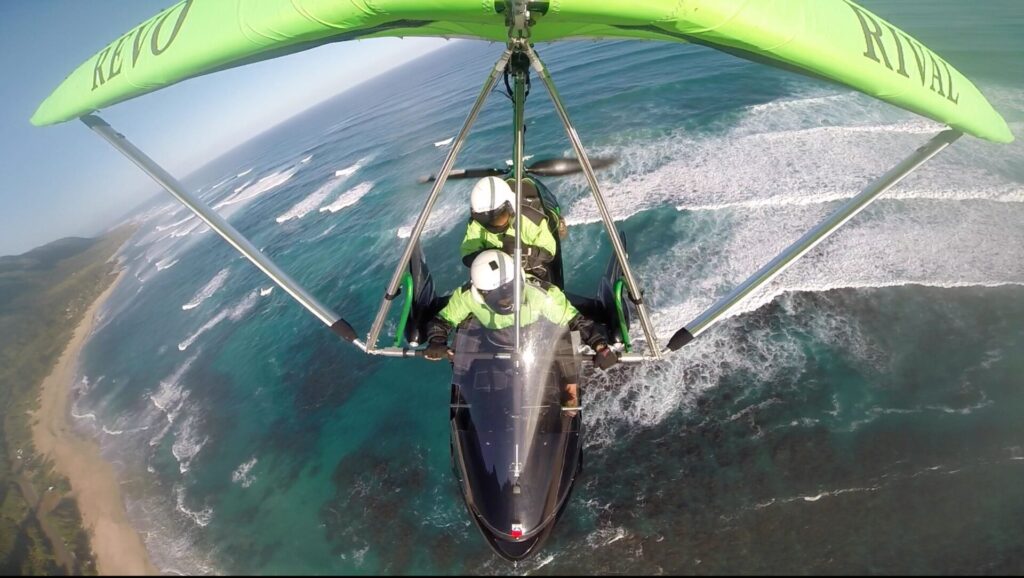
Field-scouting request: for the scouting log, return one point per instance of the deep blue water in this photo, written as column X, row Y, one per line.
column 862, row 414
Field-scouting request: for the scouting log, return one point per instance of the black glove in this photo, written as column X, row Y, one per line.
column 436, row 351
column 605, row 357
column 508, row 245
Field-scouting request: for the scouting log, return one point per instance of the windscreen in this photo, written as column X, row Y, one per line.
column 517, row 448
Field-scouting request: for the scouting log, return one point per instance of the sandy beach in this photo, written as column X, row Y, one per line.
column 118, row 547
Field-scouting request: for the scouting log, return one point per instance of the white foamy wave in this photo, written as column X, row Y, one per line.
column 243, row 173
column 780, row 154
column 118, row 432
column 166, row 263
column 234, row 313
column 175, row 224
column 442, row 218
column 351, row 170
column 266, row 291
column 511, row 163
column 349, row 198
column 188, row 443
column 90, row 416
column 171, row 392
column 645, row 395
column 444, row 143
column 191, row 227
column 173, row 541
column 222, row 183
column 243, row 474
column 242, row 187
column 169, row 209
column 975, row 243
column 306, row 160
column 314, row 200
column 169, row 400
column 934, row 243
column 211, row 287
column 544, row 562
column 201, row 517
column 249, row 192
column 606, row 536
column 893, row 243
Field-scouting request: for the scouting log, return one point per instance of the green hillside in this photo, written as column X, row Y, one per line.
column 44, row 295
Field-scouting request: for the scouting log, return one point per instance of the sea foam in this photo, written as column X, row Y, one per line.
column 757, row 189
column 207, row 291
column 233, row 313
column 188, row 442
column 314, row 200
column 243, row 473
column 348, row 198
column 265, row 184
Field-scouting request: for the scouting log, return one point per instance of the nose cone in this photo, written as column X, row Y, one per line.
column 515, row 550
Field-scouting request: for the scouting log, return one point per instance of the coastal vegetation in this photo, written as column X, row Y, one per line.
column 44, row 295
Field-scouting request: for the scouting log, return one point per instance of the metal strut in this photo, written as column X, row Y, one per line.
column 635, row 294
column 521, row 72
column 809, row 240
column 223, row 228
column 421, row 221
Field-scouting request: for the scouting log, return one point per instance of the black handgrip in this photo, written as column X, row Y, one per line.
column 342, row 329
column 681, row 338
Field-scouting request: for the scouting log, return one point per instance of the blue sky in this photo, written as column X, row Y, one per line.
column 63, row 180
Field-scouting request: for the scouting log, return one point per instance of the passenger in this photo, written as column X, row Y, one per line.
column 492, row 226
column 490, row 297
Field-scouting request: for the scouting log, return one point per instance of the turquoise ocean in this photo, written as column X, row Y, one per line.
column 865, row 413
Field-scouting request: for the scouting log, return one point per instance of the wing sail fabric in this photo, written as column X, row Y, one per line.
column 833, row 39
column 196, row 37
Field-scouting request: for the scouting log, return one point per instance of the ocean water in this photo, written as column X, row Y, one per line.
column 862, row 414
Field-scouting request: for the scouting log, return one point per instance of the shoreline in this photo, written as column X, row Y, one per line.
column 118, row 547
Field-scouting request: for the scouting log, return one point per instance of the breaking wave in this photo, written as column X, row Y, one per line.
column 201, row 517
column 211, row 287
column 169, row 399
column 756, row 190
column 188, row 442
column 243, row 474
column 348, row 198
column 175, row 224
column 248, row 192
column 166, row 263
column 779, row 155
column 314, row 200
column 351, row 170
column 234, row 313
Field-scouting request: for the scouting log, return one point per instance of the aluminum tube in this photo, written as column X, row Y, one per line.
column 816, row 235
column 442, row 177
column 609, row 222
column 215, row 222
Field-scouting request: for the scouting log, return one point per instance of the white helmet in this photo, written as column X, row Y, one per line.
column 492, row 274
column 490, row 198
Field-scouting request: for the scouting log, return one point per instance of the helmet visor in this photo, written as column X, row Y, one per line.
column 502, row 299
column 497, row 220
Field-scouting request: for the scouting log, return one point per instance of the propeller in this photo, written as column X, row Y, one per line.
column 543, row 168
column 563, row 166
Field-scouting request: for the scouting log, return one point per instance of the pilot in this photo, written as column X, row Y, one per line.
column 492, row 226
column 490, row 297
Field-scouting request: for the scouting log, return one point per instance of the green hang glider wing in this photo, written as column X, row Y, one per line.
column 831, row 39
